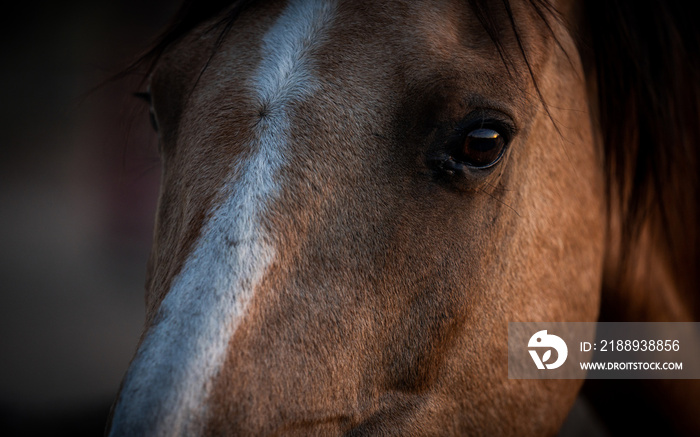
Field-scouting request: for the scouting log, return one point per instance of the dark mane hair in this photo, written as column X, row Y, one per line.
column 647, row 73
column 643, row 65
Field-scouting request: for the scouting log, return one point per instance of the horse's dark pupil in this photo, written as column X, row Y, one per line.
column 482, row 147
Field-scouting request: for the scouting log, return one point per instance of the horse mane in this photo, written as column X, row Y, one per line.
column 647, row 73
column 644, row 68
column 189, row 15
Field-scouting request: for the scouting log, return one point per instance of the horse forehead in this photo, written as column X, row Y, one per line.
column 313, row 69
column 362, row 42
column 369, row 52
column 316, row 71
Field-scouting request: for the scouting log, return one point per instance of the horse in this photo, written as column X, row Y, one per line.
column 358, row 196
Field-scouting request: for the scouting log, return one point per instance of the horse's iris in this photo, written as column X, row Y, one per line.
column 482, row 148
column 469, row 149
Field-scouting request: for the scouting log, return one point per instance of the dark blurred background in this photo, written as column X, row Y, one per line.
column 78, row 189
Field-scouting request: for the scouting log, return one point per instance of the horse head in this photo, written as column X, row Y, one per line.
column 357, row 196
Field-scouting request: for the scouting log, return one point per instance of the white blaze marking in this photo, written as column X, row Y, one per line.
column 167, row 386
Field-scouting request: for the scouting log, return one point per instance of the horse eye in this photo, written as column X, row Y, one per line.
column 481, row 148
